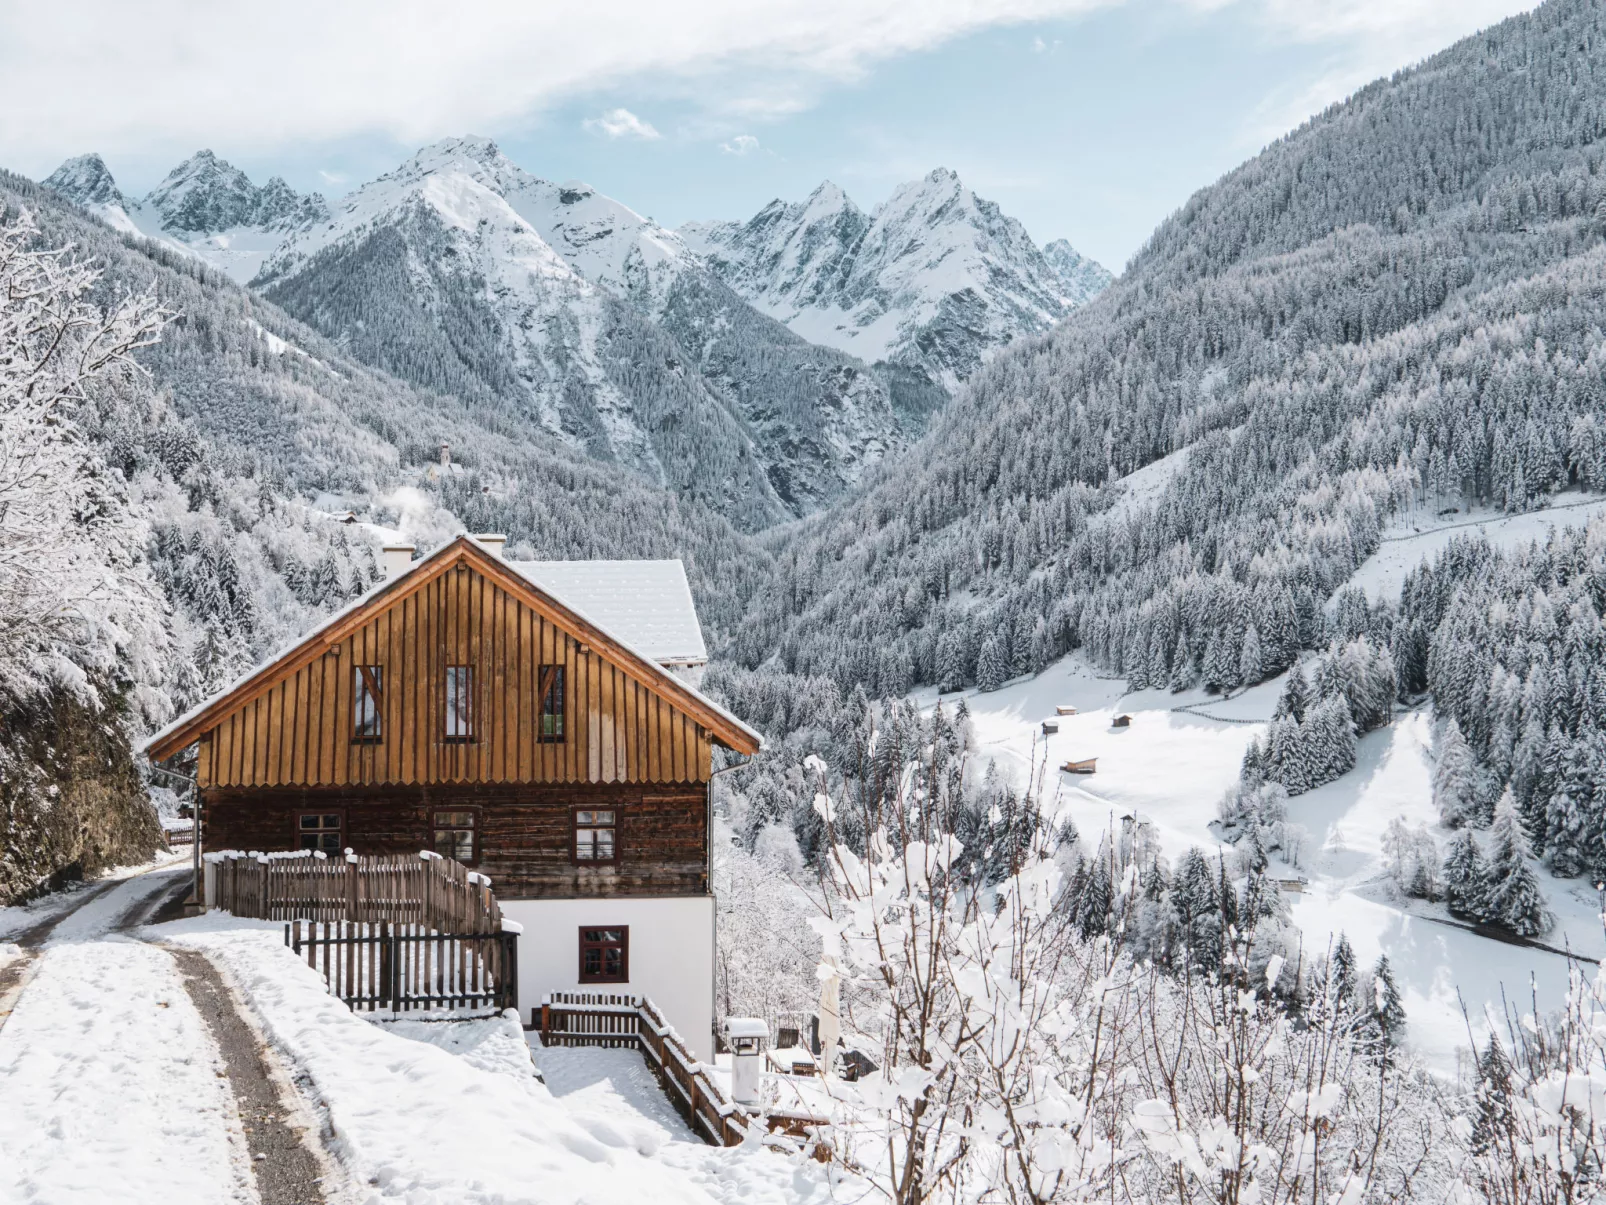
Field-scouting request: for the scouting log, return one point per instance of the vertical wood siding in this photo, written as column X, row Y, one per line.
column 299, row 732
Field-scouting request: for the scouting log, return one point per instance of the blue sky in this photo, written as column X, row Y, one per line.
column 1087, row 120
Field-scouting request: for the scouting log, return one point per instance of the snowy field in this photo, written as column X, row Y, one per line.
column 1171, row 767
column 1422, row 535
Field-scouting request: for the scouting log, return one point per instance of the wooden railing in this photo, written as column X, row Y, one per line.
column 404, row 967
column 600, row 1019
column 423, row 889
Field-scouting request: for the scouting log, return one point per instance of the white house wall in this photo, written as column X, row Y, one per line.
column 671, row 955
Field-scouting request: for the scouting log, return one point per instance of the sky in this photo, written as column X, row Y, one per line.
column 1089, row 120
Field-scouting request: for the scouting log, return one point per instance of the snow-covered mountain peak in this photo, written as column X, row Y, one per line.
column 1080, row 277
column 206, row 195
column 86, row 180
column 934, row 277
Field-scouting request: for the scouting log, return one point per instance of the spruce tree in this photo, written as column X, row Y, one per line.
column 1512, row 892
column 1453, row 776
column 1463, row 877
column 1295, row 697
column 991, row 668
column 1494, row 1121
column 1251, row 660
column 1386, row 1008
column 1341, row 976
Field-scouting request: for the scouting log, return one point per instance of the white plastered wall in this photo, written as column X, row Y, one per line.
column 671, row 955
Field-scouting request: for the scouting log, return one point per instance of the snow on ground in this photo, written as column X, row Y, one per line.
column 1171, row 767
column 612, row 1085
column 1421, row 535
column 112, row 1085
column 420, row 1125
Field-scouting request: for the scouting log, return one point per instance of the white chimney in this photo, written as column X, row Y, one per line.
column 494, row 544
column 396, row 558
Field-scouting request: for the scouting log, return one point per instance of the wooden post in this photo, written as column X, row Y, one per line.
column 351, row 890
column 386, row 970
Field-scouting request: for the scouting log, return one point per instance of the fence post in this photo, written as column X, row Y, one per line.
column 351, row 889
column 385, row 954
column 510, row 970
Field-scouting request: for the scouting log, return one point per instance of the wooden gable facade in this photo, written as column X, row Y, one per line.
column 463, row 700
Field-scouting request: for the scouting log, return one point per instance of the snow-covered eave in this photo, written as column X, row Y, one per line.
column 673, row 683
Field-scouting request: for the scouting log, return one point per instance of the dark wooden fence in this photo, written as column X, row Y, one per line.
column 602, row 1019
column 406, row 967
column 423, row 889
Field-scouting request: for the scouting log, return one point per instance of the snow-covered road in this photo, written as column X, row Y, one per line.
column 110, row 1086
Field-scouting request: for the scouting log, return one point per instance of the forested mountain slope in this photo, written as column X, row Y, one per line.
column 1402, row 300
column 257, row 417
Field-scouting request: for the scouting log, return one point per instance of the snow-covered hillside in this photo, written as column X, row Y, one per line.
column 1180, row 754
column 205, row 207
column 936, row 278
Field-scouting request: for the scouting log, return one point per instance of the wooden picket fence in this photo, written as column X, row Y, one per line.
column 423, row 889
column 406, row 967
column 602, row 1019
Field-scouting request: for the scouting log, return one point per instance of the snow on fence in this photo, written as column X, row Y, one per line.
column 601, row 1019
column 424, row 889
column 403, row 967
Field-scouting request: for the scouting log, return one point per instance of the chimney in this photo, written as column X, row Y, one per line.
column 494, row 544
column 396, row 559
column 446, row 456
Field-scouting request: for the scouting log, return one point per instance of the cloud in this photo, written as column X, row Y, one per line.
column 621, row 123
column 77, row 75
column 742, row 144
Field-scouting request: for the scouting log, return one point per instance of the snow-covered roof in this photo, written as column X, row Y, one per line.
column 646, row 604
column 577, row 608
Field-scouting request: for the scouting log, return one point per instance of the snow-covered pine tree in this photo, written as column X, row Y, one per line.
column 1513, row 897
column 1295, row 698
column 1386, row 1009
column 992, row 670
column 1464, row 876
column 1452, row 776
column 1251, row 660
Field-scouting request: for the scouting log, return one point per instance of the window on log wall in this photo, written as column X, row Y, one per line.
column 605, row 954
column 454, row 836
column 552, row 703
column 594, row 837
column 367, row 704
column 459, row 702
column 321, row 830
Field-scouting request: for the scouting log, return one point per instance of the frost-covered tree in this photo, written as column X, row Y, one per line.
column 1512, row 895
column 1452, row 776
column 1465, row 877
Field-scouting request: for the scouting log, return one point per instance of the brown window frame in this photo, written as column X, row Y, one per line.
column 323, row 813
column 622, row 945
column 574, row 834
column 368, row 681
column 459, row 738
column 551, row 687
column 476, row 816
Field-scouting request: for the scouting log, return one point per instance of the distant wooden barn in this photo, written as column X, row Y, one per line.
column 1064, row 709
column 1050, row 727
column 1087, row 765
column 1122, row 721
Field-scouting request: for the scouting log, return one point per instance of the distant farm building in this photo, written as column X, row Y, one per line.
column 1087, row 765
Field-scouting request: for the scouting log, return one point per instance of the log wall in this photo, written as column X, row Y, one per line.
column 525, row 832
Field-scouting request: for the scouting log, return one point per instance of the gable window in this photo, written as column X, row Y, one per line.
column 321, row 831
column 595, row 837
column 454, row 834
column 551, row 703
column 459, row 702
column 605, row 954
column 367, row 704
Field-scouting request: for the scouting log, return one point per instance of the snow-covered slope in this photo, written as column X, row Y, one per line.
column 205, row 206
column 464, row 273
column 936, row 278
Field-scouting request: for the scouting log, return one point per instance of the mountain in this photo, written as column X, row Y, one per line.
column 1396, row 305
column 205, row 207
column 464, row 273
column 934, row 281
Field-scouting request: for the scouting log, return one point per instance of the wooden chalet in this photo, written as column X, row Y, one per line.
column 537, row 721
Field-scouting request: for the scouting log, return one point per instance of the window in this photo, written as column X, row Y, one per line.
column 454, row 836
column 605, row 955
column 551, row 703
column 459, row 702
column 367, row 703
column 594, row 842
column 321, row 830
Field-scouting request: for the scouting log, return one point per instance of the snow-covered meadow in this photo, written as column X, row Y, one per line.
column 1169, row 767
